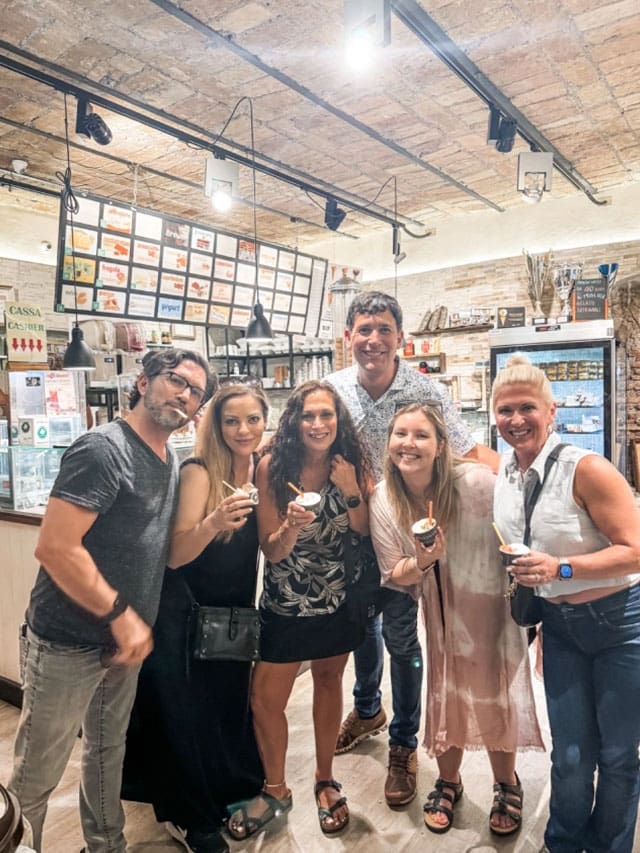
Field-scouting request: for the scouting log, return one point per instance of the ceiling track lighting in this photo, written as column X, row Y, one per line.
column 501, row 131
column 333, row 215
column 535, row 169
column 90, row 124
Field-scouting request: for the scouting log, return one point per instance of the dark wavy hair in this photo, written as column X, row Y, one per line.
column 287, row 450
column 373, row 302
column 157, row 361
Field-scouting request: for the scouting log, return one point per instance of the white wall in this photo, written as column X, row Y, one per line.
column 553, row 224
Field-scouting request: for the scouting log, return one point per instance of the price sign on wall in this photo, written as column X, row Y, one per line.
column 590, row 299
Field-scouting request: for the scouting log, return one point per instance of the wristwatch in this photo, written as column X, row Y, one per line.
column 565, row 569
column 120, row 604
column 354, row 501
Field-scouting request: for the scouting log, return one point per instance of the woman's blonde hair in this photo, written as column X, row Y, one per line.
column 518, row 370
column 443, row 493
column 211, row 449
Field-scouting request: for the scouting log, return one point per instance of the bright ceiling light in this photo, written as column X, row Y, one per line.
column 359, row 51
column 220, row 182
column 221, row 198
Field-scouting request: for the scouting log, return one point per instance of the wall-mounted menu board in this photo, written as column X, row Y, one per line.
column 123, row 262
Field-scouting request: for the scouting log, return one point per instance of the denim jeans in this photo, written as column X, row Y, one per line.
column 66, row 688
column 592, row 684
column 399, row 627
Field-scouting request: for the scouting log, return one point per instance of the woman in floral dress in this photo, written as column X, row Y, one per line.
column 303, row 610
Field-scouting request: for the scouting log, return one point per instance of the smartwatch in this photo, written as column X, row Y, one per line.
column 354, row 501
column 565, row 569
column 120, row 604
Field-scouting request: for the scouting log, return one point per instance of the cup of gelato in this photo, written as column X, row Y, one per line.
column 309, row 501
column 250, row 491
column 425, row 531
column 512, row 551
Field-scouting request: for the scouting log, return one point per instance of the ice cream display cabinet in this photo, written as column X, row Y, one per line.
column 585, row 367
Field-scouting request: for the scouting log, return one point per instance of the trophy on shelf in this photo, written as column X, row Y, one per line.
column 564, row 279
column 610, row 272
column 540, row 289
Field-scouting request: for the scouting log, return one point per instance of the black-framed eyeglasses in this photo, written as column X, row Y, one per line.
column 180, row 383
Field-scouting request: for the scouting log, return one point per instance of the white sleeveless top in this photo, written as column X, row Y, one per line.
column 558, row 525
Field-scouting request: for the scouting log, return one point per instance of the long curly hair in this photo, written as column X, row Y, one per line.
column 288, row 452
column 212, row 451
column 442, row 488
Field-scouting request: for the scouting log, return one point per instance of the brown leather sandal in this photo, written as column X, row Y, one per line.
column 507, row 800
column 440, row 801
column 330, row 824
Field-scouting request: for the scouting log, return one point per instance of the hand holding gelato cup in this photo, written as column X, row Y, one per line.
column 309, row 501
column 512, row 551
column 250, row 491
column 425, row 531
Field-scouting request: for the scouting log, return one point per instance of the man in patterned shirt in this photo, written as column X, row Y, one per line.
column 373, row 389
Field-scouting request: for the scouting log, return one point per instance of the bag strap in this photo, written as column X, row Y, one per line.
column 348, row 556
column 531, row 499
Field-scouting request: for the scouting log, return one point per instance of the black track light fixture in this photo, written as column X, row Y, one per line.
column 90, row 124
column 501, row 131
column 333, row 215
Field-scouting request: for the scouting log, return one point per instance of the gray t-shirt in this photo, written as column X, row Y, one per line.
column 372, row 417
column 112, row 471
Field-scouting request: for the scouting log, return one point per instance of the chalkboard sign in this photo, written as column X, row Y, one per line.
column 590, row 299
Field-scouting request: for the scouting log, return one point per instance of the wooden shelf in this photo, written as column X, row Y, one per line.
column 429, row 356
column 454, row 330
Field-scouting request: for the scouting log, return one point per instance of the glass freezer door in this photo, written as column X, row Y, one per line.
column 580, row 377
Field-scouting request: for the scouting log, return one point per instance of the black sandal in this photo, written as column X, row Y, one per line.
column 247, row 824
column 507, row 800
column 435, row 805
column 330, row 824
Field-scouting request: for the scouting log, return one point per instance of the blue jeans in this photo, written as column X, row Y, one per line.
column 66, row 688
column 399, row 627
column 592, row 684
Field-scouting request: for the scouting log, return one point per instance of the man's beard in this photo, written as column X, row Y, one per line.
column 164, row 415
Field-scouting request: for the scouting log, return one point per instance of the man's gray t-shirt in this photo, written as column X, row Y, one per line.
column 372, row 417
column 112, row 471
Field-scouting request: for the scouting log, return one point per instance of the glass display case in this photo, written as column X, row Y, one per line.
column 31, row 474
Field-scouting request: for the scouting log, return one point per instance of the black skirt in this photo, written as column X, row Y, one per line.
column 287, row 639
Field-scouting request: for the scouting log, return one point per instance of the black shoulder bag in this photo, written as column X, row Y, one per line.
column 222, row 633
column 526, row 608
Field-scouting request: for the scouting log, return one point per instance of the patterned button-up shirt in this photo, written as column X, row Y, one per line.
column 372, row 417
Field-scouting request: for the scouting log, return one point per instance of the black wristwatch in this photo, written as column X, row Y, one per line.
column 565, row 570
column 120, row 604
column 354, row 501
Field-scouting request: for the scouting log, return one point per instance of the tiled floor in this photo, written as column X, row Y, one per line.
column 374, row 828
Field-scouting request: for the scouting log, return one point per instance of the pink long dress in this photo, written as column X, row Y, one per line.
column 479, row 693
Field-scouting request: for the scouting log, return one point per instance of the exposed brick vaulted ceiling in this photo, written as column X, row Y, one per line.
column 570, row 66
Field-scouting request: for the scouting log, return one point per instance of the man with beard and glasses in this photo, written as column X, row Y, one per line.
column 102, row 548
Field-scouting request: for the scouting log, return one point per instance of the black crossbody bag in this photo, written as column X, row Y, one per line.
column 222, row 633
column 526, row 606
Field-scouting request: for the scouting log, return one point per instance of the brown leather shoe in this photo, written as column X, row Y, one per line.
column 400, row 787
column 355, row 729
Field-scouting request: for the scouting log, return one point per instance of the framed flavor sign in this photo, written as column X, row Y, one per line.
column 123, row 262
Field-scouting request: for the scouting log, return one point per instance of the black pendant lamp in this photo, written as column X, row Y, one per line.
column 259, row 326
column 78, row 355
